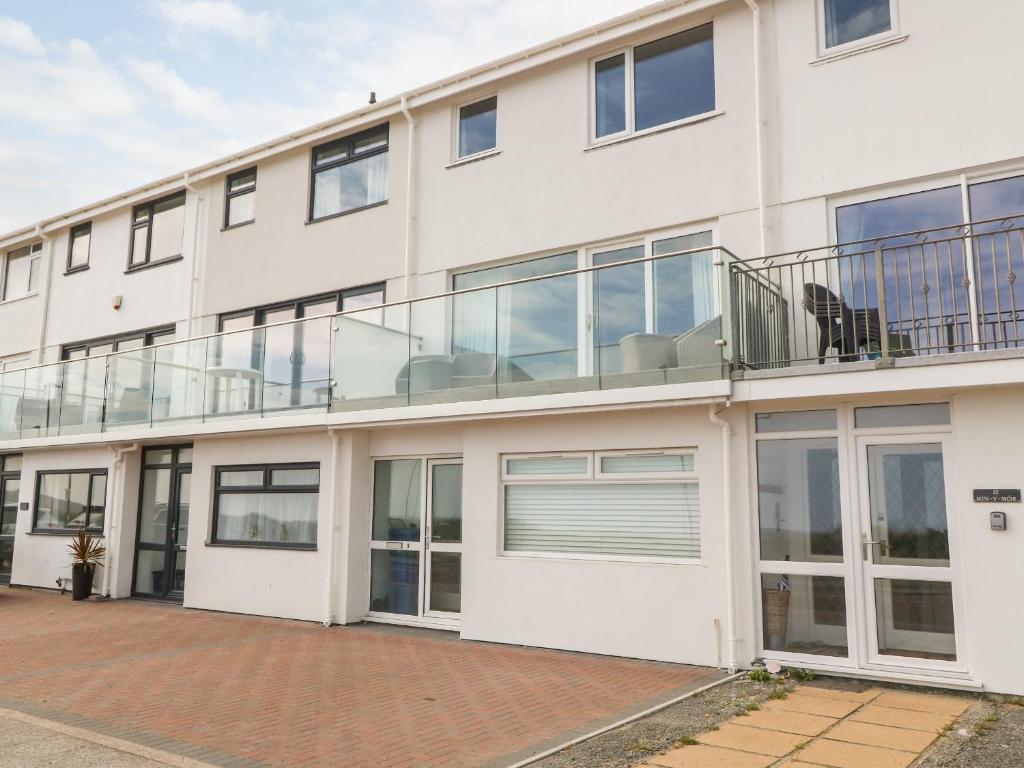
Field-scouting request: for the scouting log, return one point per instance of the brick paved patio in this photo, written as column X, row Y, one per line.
column 241, row 690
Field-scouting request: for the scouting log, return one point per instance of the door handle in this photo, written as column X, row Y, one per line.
column 883, row 546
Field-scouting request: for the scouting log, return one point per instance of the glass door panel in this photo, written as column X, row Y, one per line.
column 179, row 533
column 905, row 553
column 396, row 538
column 443, row 591
column 9, row 491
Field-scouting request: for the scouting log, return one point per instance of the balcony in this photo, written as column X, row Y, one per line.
column 920, row 294
column 659, row 319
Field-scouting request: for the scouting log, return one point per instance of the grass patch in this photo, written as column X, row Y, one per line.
column 779, row 693
column 686, row 741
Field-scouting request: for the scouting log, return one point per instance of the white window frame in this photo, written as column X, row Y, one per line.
column 824, row 52
column 15, row 362
column 647, row 478
column 600, row 474
column 630, row 129
column 457, row 129
column 507, row 476
column 35, row 254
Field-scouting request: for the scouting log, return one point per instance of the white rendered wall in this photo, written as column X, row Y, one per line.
column 266, row 582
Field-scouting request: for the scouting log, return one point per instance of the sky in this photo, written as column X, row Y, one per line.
column 98, row 97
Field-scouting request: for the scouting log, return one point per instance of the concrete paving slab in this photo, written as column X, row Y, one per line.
column 924, row 702
column 813, row 705
column 882, row 736
column 704, row 756
column 838, row 754
column 902, row 718
column 860, row 697
column 788, row 722
column 757, row 740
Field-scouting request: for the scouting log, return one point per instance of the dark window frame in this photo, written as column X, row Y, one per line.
column 135, row 225
column 77, row 231
column 148, row 335
column 92, row 473
column 264, row 487
column 259, row 312
column 349, row 142
column 230, row 194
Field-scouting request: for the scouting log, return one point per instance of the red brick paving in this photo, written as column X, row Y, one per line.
column 241, row 690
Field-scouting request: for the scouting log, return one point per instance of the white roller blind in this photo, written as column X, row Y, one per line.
column 638, row 520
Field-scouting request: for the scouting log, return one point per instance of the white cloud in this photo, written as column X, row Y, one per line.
column 223, row 17
column 18, row 36
column 191, row 102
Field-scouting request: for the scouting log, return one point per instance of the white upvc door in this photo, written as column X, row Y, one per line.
column 906, row 556
column 416, row 541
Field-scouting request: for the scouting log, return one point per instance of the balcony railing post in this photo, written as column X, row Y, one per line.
column 883, row 305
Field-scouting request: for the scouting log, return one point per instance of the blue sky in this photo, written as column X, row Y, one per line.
column 98, row 97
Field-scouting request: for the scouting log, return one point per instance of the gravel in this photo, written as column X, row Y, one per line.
column 656, row 733
column 989, row 735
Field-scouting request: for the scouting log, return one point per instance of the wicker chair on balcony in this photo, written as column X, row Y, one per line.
column 841, row 328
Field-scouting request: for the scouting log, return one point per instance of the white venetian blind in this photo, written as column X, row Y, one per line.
column 668, row 462
column 548, row 465
column 639, row 520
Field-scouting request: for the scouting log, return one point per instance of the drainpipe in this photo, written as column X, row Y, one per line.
column 730, row 577
column 762, row 214
column 193, row 283
column 410, row 196
column 333, row 531
column 114, row 517
column 48, row 260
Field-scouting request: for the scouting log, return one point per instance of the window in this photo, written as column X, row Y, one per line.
column 796, row 421
column 928, row 414
column 602, row 505
column 847, row 21
column 363, row 297
column 653, row 84
column 15, row 362
column 157, row 231
column 110, row 344
column 78, row 247
column 22, row 271
column 240, row 198
column 478, row 127
column 350, row 173
column 68, row 500
column 274, row 505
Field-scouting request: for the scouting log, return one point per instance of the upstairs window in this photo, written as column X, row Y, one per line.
column 478, row 127
column 157, row 230
column 350, row 173
column 847, row 21
column 78, row 247
column 22, row 271
column 240, row 198
column 654, row 84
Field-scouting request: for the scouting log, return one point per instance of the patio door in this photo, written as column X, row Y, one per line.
column 416, row 541
column 10, row 486
column 161, row 550
column 906, row 568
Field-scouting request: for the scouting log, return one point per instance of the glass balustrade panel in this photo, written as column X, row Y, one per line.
column 371, row 359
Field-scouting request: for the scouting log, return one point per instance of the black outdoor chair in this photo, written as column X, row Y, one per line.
column 839, row 327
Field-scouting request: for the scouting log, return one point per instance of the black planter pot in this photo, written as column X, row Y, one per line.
column 81, row 581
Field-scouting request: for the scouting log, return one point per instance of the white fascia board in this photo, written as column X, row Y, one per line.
column 545, row 53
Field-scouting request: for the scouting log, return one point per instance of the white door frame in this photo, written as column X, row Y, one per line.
column 430, row 546
column 423, row 618
column 868, row 570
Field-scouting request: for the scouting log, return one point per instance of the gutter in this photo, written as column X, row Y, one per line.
column 410, row 196
column 333, row 532
column 730, row 576
column 44, row 314
column 116, row 510
column 762, row 213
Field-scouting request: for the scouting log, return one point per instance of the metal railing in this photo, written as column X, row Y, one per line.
column 548, row 334
column 930, row 292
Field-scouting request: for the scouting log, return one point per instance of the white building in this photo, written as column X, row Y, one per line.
column 509, row 354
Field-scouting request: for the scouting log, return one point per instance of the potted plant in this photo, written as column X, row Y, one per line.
column 87, row 552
